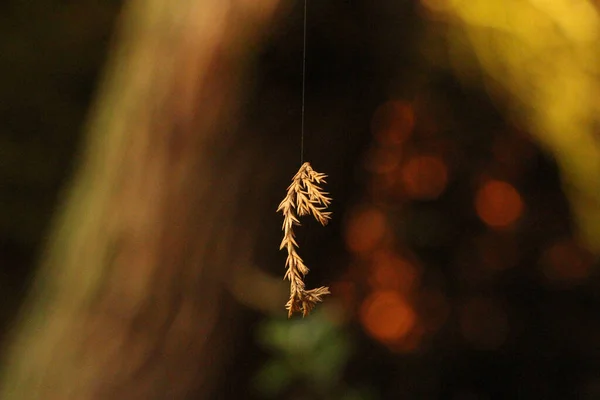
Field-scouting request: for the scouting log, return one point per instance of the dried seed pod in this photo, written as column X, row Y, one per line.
column 304, row 196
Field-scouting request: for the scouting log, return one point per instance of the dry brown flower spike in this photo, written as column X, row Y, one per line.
column 304, row 196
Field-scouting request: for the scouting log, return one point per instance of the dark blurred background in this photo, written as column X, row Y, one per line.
column 457, row 267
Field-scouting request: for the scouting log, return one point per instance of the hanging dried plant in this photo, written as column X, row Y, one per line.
column 304, row 196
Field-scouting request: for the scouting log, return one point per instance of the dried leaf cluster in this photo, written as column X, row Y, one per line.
column 304, row 196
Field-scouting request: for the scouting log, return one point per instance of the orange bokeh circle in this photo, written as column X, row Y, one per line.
column 498, row 204
column 386, row 316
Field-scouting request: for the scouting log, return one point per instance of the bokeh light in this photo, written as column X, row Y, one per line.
column 365, row 230
column 424, row 177
column 498, row 204
column 567, row 261
column 386, row 316
column 388, row 271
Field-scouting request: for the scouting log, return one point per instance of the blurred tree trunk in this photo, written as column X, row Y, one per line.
column 128, row 299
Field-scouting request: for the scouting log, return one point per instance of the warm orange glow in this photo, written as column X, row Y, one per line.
column 566, row 260
column 393, row 122
column 424, row 177
column 498, row 204
column 386, row 316
column 365, row 230
column 391, row 272
column 484, row 323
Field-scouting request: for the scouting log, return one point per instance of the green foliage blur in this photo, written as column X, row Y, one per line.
column 311, row 353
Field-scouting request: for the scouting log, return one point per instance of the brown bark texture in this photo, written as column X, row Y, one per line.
column 130, row 289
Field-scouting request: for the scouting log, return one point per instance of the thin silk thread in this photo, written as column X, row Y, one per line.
column 303, row 87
